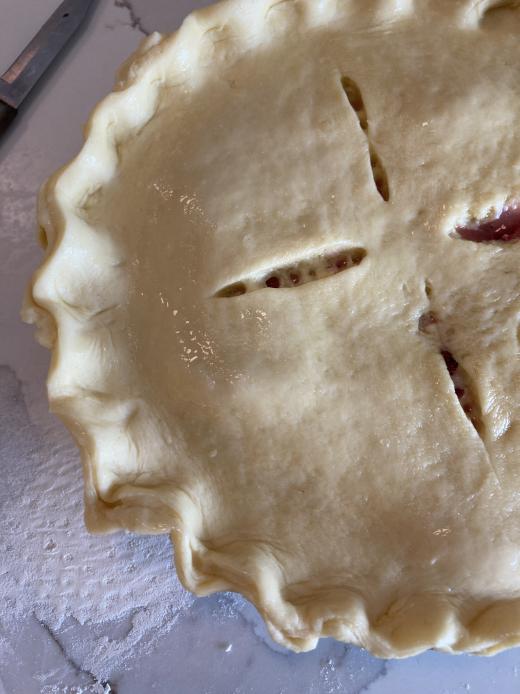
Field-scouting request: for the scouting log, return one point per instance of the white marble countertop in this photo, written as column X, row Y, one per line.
column 82, row 614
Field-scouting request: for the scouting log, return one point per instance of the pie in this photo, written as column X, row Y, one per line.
column 282, row 295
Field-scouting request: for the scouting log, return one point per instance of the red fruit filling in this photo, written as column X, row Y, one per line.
column 451, row 363
column 314, row 268
column 306, row 270
column 505, row 228
column 462, row 391
column 273, row 282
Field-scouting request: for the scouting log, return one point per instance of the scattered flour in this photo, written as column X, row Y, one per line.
column 52, row 570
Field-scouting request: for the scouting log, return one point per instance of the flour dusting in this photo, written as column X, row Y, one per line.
column 53, row 569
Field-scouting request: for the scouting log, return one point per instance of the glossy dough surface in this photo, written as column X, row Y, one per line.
column 305, row 444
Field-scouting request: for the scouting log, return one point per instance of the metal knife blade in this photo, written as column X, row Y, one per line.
column 33, row 61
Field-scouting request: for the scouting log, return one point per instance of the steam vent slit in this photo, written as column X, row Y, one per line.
column 309, row 269
column 503, row 228
column 430, row 326
column 355, row 99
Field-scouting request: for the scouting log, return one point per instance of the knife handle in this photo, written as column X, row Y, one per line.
column 7, row 113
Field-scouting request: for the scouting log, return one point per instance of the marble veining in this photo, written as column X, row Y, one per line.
column 135, row 20
column 103, row 687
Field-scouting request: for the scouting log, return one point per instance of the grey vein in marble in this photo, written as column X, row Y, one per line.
column 382, row 673
column 103, row 687
column 135, row 20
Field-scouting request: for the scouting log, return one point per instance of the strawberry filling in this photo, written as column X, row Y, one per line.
column 505, row 228
column 462, row 391
column 451, row 363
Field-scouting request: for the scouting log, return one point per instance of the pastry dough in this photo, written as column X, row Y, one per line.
column 273, row 334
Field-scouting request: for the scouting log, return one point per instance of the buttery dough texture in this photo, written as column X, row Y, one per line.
column 254, row 283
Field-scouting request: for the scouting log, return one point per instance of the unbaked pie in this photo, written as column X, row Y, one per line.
column 281, row 288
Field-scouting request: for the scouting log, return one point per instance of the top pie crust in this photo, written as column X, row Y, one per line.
column 303, row 445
